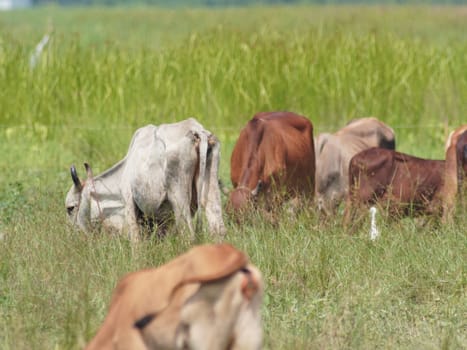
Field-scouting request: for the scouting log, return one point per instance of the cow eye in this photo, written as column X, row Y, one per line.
column 69, row 210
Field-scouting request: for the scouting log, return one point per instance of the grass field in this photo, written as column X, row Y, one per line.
column 107, row 72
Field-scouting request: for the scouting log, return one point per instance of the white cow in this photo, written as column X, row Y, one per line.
column 170, row 168
column 333, row 154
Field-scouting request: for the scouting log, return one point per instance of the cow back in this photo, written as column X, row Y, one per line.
column 146, row 307
column 379, row 175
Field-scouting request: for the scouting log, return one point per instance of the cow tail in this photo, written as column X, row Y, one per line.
column 203, row 152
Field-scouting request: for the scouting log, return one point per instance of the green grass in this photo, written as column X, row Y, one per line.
column 105, row 73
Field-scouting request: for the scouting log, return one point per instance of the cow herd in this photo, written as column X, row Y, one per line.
column 209, row 298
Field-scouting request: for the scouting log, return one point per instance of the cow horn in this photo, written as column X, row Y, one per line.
column 88, row 170
column 74, row 177
column 212, row 140
column 258, row 188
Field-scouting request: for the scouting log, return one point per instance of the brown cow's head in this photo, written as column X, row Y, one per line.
column 241, row 197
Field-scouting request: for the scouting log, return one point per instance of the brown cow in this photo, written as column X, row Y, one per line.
column 274, row 155
column 456, row 169
column 208, row 298
column 406, row 184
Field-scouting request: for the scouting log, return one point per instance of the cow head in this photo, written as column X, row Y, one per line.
column 241, row 196
column 330, row 182
column 329, row 193
column 74, row 196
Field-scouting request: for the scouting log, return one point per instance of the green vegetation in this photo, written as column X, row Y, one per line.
column 226, row 3
column 107, row 72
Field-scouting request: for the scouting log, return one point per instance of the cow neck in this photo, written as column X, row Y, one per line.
column 252, row 162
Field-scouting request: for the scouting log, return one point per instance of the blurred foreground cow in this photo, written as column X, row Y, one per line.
column 274, row 153
column 333, row 154
column 171, row 168
column 405, row 184
column 206, row 299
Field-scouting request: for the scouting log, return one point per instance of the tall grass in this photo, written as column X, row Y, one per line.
column 96, row 83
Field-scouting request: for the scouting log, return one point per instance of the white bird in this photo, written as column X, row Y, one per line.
column 374, row 232
column 35, row 56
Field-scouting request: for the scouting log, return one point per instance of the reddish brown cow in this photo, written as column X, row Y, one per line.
column 406, row 184
column 274, row 154
column 409, row 184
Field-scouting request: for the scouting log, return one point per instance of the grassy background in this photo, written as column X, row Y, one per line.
column 107, row 72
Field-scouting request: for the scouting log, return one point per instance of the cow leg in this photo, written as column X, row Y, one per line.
column 181, row 168
column 131, row 226
column 181, row 209
column 132, row 222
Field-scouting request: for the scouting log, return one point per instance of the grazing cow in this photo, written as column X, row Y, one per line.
column 333, row 154
column 456, row 170
column 406, row 184
column 273, row 153
column 171, row 168
column 208, row 298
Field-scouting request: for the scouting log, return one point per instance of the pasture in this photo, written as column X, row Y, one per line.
column 107, row 72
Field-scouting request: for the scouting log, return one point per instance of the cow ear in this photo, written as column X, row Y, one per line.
column 75, row 178
column 88, row 170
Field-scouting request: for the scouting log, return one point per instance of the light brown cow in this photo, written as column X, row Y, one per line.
column 333, row 154
column 274, row 155
column 208, row 298
column 455, row 169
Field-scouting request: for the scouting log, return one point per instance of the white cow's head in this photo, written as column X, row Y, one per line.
column 74, row 197
column 330, row 184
